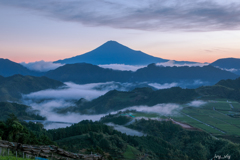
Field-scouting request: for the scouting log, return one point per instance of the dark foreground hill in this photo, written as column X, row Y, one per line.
column 9, row 68
column 83, row 73
column 12, row 88
column 162, row 140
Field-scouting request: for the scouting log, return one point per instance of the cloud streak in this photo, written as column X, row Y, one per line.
column 162, row 109
column 172, row 63
column 228, row 69
column 122, row 67
column 163, row 86
column 161, row 15
column 197, row 103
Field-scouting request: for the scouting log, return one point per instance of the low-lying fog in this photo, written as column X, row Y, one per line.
column 47, row 100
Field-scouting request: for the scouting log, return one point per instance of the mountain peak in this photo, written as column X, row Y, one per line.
column 113, row 46
column 112, row 52
column 111, row 42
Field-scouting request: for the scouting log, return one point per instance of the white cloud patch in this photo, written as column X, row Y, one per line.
column 71, row 92
column 231, row 70
column 173, row 63
column 162, row 109
column 197, row 103
column 163, row 86
column 41, row 66
column 122, row 67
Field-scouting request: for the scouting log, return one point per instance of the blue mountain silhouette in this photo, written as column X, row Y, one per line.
column 113, row 52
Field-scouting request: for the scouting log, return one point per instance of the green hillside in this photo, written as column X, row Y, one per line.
column 229, row 89
column 22, row 112
column 12, row 88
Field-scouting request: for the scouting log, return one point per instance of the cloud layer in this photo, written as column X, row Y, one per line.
column 172, row 63
column 162, row 15
column 41, row 66
column 71, row 92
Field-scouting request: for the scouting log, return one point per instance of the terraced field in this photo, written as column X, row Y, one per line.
column 213, row 117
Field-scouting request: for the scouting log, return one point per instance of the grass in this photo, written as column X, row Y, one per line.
column 130, row 153
column 217, row 118
column 12, row 158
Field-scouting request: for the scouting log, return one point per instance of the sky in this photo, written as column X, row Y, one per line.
column 49, row 30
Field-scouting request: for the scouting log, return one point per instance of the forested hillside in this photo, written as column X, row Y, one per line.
column 229, row 89
column 21, row 111
column 12, row 88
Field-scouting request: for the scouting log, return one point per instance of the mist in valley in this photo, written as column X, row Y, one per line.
column 48, row 101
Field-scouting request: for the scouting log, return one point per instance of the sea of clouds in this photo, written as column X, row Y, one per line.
column 46, row 101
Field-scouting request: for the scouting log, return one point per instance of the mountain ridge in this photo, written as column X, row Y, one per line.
column 10, row 68
column 83, row 73
column 231, row 64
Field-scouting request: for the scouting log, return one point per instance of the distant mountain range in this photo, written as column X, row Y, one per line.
column 229, row 64
column 113, row 52
column 9, row 68
column 83, row 73
column 12, row 88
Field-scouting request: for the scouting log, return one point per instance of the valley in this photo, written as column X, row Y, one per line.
column 119, row 80
column 186, row 110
